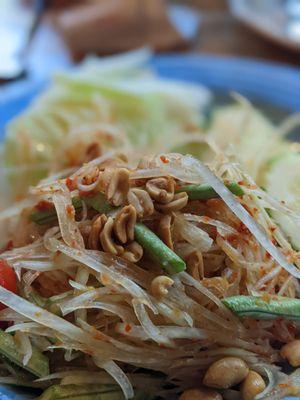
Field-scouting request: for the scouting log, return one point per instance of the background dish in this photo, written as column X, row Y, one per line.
column 274, row 88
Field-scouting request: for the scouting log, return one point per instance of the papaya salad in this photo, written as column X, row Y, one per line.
column 155, row 259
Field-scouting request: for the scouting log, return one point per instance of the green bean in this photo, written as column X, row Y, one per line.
column 259, row 308
column 43, row 217
column 157, row 250
column 89, row 392
column 82, row 392
column 206, row 192
column 97, row 202
column 43, row 302
column 47, row 216
column 38, row 364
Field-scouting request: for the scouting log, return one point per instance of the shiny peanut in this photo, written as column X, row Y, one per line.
column 200, row 394
column 164, row 230
column 118, row 187
column 252, row 386
column 133, row 252
column 161, row 189
column 291, row 351
column 179, row 201
column 141, row 201
column 160, row 285
column 93, row 239
column 107, row 242
column 124, row 223
column 226, row 372
column 195, row 265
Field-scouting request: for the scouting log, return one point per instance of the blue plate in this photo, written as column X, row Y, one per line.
column 273, row 84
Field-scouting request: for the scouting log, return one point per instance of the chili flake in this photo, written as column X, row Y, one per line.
column 164, row 159
column 70, row 184
column 70, row 210
column 283, row 385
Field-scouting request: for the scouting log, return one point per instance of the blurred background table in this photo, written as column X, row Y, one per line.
column 220, row 33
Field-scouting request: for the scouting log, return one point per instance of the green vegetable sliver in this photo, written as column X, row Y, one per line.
column 43, row 302
column 157, row 250
column 206, row 192
column 256, row 307
column 88, row 392
column 82, row 392
column 97, row 202
column 48, row 216
column 38, row 364
column 90, row 396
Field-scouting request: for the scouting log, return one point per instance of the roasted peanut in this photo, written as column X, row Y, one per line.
column 179, row 201
column 252, row 385
column 85, row 230
column 95, row 231
column 160, row 285
column 217, row 285
column 118, row 187
column 161, row 189
column 141, row 201
column 133, row 252
column 226, row 372
column 195, row 265
column 91, row 176
column 124, row 224
column 164, row 230
column 200, row 394
column 291, row 351
column 107, row 241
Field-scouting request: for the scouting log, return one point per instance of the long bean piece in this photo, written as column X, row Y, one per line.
column 259, row 308
column 97, row 202
column 157, row 250
column 206, row 192
column 89, row 392
column 82, row 392
column 43, row 302
column 38, row 364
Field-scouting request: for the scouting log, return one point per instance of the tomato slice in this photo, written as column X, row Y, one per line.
column 8, row 278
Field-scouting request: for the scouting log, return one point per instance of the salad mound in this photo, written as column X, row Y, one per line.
column 134, row 269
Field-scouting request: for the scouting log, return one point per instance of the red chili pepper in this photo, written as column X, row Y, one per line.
column 87, row 194
column 9, row 246
column 8, row 279
column 70, row 184
column 44, row 205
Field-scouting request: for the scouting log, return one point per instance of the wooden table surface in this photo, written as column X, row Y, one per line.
column 220, row 33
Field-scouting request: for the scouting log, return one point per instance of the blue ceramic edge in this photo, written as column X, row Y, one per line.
column 276, row 83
